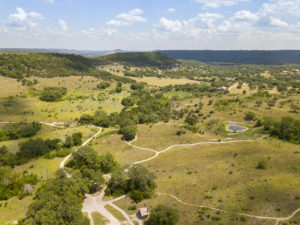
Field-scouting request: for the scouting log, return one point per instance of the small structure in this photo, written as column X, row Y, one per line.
column 295, row 70
column 230, row 78
column 144, row 213
column 223, row 88
column 285, row 71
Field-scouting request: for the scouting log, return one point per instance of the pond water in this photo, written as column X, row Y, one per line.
column 235, row 127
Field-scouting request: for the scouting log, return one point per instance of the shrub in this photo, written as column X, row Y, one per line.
column 103, row 85
column 128, row 128
column 53, row 94
column 86, row 119
column 249, row 116
column 77, row 138
column 163, row 215
column 261, row 165
column 33, row 148
column 192, row 120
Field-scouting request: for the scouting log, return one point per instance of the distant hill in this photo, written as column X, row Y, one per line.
column 22, row 65
column 139, row 59
column 90, row 53
column 262, row 57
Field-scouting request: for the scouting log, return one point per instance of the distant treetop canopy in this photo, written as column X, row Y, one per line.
column 260, row 57
column 157, row 59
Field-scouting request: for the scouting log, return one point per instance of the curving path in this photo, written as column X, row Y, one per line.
column 96, row 203
column 62, row 164
column 277, row 219
column 184, row 145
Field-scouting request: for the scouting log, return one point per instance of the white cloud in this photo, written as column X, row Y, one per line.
column 22, row 20
column 169, row 25
column 92, row 32
column 171, row 10
column 287, row 8
column 245, row 15
column 63, row 25
column 50, row 1
column 219, row 3
column 277, row 22
column 192, row 28
column 127, row 19
column 118, row 23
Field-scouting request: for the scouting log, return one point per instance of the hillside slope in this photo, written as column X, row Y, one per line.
column 139, row 59
column 22, row 65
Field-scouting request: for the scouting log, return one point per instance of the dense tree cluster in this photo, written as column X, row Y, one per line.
column 13, row 184
column 59, row 201
column 287, row 129
column 53, row 94
column 141, row 107
column 19, row 130
column 139, row 183
column 163, row 215
column 156, row 59
column 103, row 85
column 34, row 148
column 92, row 165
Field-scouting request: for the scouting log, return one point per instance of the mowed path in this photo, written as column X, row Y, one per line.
column 157, row 153
column 95, row 203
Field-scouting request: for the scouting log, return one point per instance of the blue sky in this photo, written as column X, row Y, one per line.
column 148, row 25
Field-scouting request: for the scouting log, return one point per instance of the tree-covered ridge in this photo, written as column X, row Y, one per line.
column 156, row 59
column 23, row 65
column 240, row 57
column 43, row 65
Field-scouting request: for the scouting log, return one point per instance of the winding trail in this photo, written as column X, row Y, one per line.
column 62, row 164
column 94, row 203
column 157, row 153
column 277, row 219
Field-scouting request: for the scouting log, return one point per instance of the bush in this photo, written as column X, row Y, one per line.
column 192, row 120
column 128, row 128
column 139, row 183
column 262, row 165
column 163, row 215
column 249, row 116
column 137, row 195
column 33, row 148
column 86, row 119
column 127, row 101
column 19, row 130
column 53, row 94
column 103, row 85
column 77, row 138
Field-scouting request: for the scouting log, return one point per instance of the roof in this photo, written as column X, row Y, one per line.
column 144, row 212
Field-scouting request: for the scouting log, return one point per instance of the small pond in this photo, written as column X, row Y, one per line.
column 237, row 128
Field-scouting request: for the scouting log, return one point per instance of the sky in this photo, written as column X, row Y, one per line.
column 150, row 24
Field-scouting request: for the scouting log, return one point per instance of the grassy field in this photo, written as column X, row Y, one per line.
column 225, row 176
column 99, row 219
column 219, row 175
column 10, row 87
column 116, row 214
column 13, row 209
column 82, row 97
column 123, row 153
column 49, row 133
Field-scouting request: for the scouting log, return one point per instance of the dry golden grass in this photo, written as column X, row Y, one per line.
column 10, row 87
column 224, row 176
column 122, row 152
